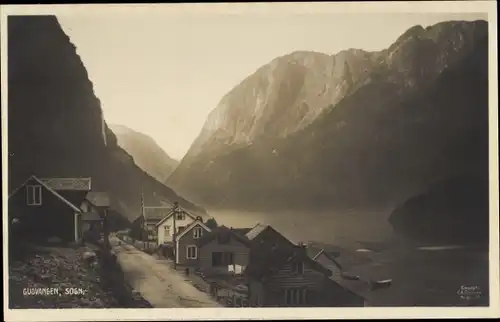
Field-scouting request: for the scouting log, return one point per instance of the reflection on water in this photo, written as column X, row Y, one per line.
column 341, row 228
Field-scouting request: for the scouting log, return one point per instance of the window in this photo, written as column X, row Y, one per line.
column 34, row 195
column 295, row 296
column 298, row 267
column 167, row 229
column 180, row 216
column 191, row 252
column 197, row 232
column 222, row 259
column 180, row 229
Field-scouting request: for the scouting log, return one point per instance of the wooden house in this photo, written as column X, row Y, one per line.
column 223, row 251
column 281, row 274
column 95, row 208
column 187, row 252
column 144, row 226
column 45, row 208
column 267, row 236
column 165, row 227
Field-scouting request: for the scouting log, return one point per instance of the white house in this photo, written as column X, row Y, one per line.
column 165, row 227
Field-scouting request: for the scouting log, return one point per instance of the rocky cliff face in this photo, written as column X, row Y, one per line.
column 56, row 127
column 353, row 129
column 147, row 154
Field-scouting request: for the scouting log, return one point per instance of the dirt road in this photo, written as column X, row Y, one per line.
column 160, row 285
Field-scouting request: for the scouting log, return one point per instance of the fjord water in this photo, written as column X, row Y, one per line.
column 422, row 274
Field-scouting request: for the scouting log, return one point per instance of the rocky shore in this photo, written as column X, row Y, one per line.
column 64, row 277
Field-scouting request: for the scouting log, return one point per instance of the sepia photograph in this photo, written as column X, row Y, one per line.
column 254, row 156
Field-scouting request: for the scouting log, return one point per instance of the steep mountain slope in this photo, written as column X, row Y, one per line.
column 147, row 154
column 56, row 126
column 408, row 116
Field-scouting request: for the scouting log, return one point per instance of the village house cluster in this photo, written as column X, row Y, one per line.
column 257, row 266
column 61, row 209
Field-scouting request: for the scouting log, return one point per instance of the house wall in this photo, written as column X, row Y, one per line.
column 335, row 295
column 284, row 278
column 256, row 294
column 182, row 244
column 164, row 238
column 240, row 255
column 53, row 218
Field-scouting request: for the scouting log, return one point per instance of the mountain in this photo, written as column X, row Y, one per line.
column 362, row 129
column 55, row 122
column 452, row 210
column 147, row 154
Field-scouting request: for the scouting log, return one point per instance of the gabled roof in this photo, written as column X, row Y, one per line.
column 322, row 252
column 69, row 204
column 265, row 260
column 221, row 231
column 241, row 231
column 98, row 199
column 255, row 231
column 191, row 226
column 171, row 213
column 156, row 213
column 79, row 184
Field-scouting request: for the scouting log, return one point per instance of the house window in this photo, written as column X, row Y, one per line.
column 180, row 229
column 298, row 268
column 180, row 216
column 167, row 230
column 34, row 195
column 197, row 232
column 295, row 296
column 222, row 259
column 191, row 252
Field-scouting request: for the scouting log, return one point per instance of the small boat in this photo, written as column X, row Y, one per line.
column 375, row 285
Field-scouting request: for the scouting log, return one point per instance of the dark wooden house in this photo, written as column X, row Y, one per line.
column 281, row 274
column 95, row 208
column 223, row 251
column 144, row 226
column 187, row 251
column 40, row 209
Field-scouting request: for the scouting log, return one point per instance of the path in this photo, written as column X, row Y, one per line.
column 160, row 285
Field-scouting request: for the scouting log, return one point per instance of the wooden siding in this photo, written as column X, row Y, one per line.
column 53, row 218
column 183, row 242
column 240, row 254
column 162, row 238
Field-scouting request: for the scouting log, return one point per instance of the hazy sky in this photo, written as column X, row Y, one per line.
column 162, row 74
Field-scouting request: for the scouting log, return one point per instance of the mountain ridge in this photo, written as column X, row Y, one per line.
column 56, row 124
column 219, row 175
column 147, row 154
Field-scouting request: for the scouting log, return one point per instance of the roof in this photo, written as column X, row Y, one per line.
column 80, row 184
column 221, row 231
column 98, row 199
column 64, row 200
column 91, row 216
column 191, row 226
column 255, row 231
column 171, row 213
column 265, row 260
column 241, row 231
column 322, row 252
column 156, row 213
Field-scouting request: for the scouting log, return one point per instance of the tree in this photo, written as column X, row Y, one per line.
column 211, row 223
